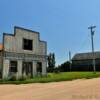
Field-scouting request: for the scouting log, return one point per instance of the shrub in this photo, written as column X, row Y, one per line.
column 13, row 78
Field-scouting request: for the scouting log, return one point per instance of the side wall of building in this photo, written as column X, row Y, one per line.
column 85, row 65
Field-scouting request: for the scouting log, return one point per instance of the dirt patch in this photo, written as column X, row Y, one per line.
column 68, row 90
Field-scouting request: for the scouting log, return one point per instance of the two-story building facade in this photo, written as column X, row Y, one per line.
column 23, row 53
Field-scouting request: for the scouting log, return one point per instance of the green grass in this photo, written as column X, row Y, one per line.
column 53, row 77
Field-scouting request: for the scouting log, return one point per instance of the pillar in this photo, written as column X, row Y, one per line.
column 44, row 68
column 34, row 69
column 19, row 67
column 6, row 65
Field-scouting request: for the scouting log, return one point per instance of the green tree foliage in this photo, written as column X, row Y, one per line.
column 51, row 62
column 65, row 67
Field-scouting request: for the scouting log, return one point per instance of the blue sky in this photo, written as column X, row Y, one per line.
column 62, row 23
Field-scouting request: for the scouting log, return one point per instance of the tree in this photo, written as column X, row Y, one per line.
column 51, row 62
column 65, row 67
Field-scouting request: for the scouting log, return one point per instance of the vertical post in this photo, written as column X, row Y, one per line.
column 92, row 41
column 70, row 60
column 34, row 68
column 44, row 65
column 19, row 74
column 6, row 64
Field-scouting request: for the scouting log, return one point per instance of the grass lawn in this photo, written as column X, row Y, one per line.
column 53, row 77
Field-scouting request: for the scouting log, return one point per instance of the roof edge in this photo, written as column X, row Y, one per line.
column 17, row 27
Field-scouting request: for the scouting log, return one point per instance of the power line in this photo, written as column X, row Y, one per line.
column 83, row 44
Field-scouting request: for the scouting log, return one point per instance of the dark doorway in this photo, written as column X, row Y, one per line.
column 39, row 67
column 27, row 68
column 12, row 68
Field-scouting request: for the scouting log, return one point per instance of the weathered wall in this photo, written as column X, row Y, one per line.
column 43, row 48
column 15, row 43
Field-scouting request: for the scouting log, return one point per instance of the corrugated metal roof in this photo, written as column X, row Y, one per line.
column 84, row 56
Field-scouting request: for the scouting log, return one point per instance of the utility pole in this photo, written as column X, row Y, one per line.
column 70, row 60
column 92, row 42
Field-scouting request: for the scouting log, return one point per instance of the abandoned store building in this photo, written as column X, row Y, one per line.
column 22, row 53
column 84, row 61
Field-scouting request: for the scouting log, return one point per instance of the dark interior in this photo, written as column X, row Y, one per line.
column 13, row 66
column 27, row 44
